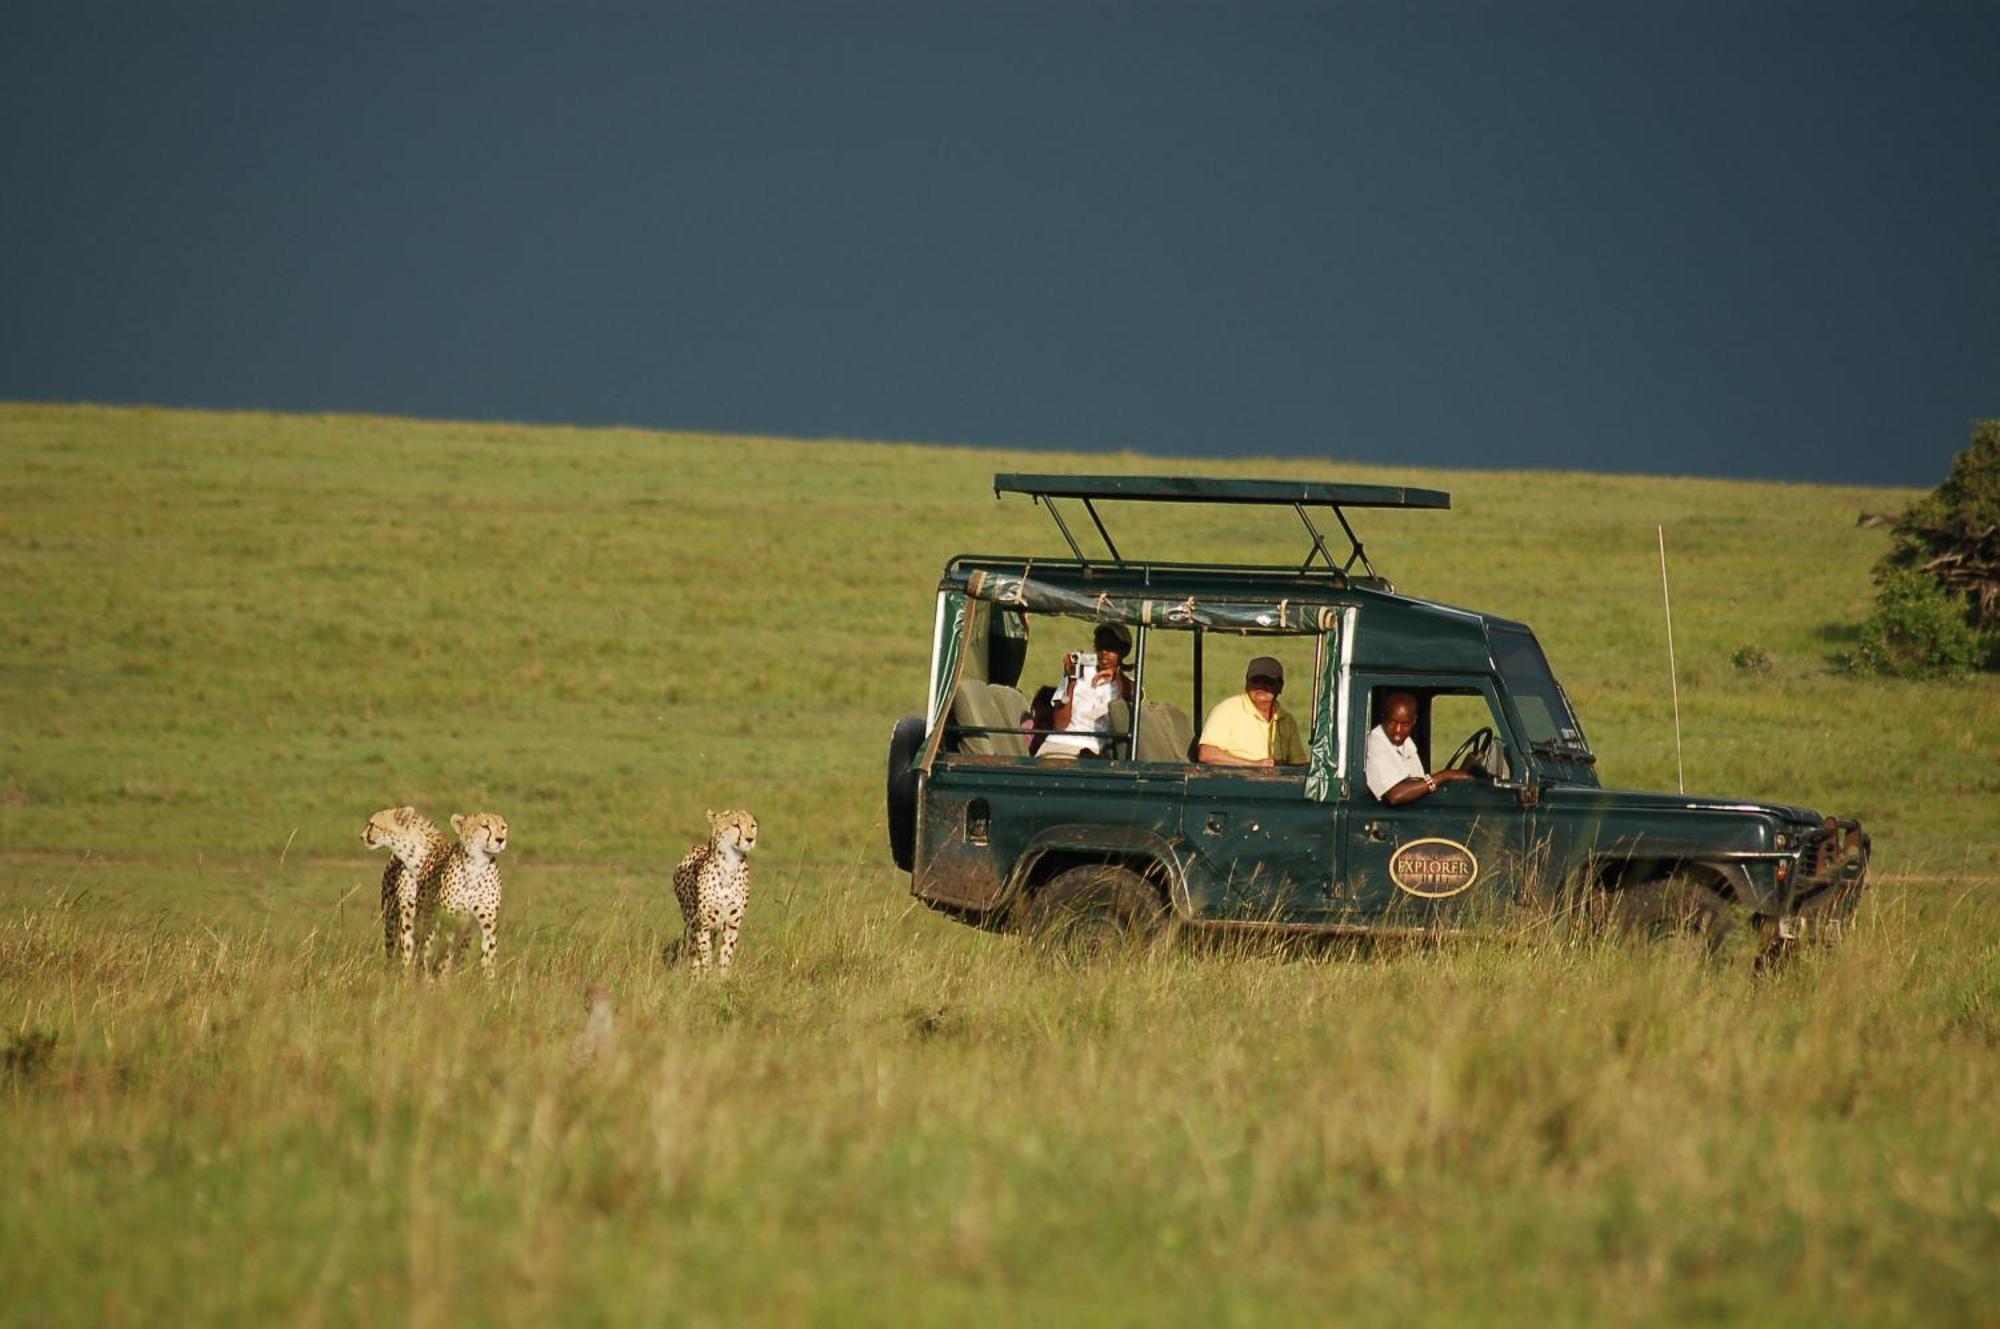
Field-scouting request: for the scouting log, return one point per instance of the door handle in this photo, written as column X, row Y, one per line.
column 1373, row 830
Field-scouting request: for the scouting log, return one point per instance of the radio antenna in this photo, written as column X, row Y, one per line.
column 1673, row 675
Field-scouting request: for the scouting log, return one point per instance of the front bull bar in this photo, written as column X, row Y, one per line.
column 1834, row 871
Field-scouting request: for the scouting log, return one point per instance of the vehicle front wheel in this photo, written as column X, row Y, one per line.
column 1095, row 913
column 1680, row 909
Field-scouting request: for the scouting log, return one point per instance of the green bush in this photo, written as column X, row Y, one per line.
column 1952, row 534
column 1937, row 609
column 1918, row 630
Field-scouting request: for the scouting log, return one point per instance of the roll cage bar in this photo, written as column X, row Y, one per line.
column 1298, row 495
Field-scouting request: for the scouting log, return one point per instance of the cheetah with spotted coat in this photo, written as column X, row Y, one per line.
column 713, row 886
column 468, row 886
column 417, row 854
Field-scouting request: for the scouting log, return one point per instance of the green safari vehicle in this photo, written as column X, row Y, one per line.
column 1141, row 838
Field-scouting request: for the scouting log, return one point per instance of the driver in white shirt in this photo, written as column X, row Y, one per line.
column 1395, row 772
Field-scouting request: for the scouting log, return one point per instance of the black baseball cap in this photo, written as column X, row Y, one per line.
column 1265, row 666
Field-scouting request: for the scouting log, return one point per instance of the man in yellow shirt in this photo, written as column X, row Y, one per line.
column 1251, row 729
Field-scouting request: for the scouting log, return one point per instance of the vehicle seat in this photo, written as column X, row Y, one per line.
column 1119, row 721
column 973, row 707
column 1012, row 709
column 1165, row 734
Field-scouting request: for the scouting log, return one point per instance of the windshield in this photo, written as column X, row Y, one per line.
column 1544, row 710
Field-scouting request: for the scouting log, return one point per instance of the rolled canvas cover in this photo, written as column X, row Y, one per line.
column 1041, row 597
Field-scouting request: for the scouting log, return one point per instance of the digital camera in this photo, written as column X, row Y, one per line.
column 1085, row 666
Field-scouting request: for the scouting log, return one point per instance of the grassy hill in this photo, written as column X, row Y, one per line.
column 228, row 638
column 250, row 630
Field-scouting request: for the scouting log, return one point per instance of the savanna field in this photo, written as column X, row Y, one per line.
column 226, row 639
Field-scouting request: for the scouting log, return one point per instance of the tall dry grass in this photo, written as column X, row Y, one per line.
column 880, row 1116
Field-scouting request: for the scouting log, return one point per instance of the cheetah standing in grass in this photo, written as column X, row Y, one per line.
column 713, row 886
column 468, row 885
column 418, row 851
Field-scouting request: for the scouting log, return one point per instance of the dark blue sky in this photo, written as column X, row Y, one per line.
column 1729, row 239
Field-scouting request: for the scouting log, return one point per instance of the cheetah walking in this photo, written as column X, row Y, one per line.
column 418, row 851
column 468, row 886
column 713, row 886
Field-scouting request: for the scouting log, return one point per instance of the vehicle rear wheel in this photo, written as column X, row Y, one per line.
column 1680, row 909
column 1096, row 913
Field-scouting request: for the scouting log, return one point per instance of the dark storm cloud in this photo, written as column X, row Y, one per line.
column 1741, row 240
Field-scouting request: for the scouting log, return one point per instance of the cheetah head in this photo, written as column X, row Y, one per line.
column 735, row 828
column 481, row 832
column 399, row 830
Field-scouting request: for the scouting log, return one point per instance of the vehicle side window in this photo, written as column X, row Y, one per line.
column 1447, row 719
column 1014, row 698
column 1230, row 732
column 1032, row 686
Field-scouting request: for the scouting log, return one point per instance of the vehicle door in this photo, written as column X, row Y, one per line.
column 1453, row 854
column 1263, row 845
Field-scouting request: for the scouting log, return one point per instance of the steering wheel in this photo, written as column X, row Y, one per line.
column 1475, row 754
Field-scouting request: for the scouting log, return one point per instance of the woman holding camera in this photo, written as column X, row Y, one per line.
column 1083, row 699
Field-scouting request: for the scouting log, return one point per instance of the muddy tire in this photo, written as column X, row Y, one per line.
column 1094, row 914
column 1682, row 911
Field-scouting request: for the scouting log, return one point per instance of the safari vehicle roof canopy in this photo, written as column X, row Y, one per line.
column 1299, row 495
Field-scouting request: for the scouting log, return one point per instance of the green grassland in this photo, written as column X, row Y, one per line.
column 228, row 638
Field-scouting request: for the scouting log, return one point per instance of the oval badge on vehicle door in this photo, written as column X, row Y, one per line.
column 1433, row 869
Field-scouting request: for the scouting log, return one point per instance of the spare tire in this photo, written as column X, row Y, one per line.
column 906, row 740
